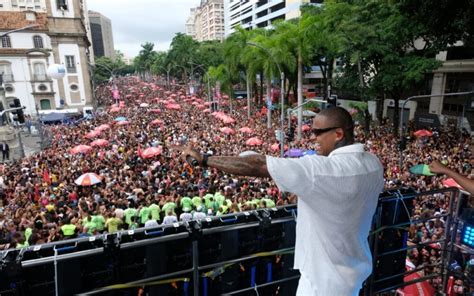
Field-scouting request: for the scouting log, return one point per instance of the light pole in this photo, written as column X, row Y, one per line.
column 282, row 95
column 403, row 108
column 208, row 82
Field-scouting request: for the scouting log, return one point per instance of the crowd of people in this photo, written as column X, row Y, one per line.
column 40, row 201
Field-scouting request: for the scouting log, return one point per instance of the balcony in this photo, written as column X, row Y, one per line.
column 8, row 78
column 40, row 77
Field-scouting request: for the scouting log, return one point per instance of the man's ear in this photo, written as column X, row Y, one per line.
column 339, row 134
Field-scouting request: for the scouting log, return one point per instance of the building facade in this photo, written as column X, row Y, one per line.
column 206, row 22
column 102, row 36
column 51, row 34
column 260, row 13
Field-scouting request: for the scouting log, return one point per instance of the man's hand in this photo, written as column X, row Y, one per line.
column 437, row 168
column 189, row 153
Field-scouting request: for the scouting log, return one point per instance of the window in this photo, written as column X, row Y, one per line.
column 6, row 71
column 61, row 4
column 45, row 104
column 74, row 87
column 6, row 42
column 39, row 72
column 42, row 87
column 70, row 64
column 38, row 41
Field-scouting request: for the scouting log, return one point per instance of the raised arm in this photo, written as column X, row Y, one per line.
column 252, row 165
column 466, row 183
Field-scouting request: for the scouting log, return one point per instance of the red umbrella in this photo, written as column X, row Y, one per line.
column 451, row 183
column 254, row 142
column 81, row 149
column 152, row 152
column 157, row 122
column 246, row 130
column 305, row 128
column 423, row 133
column 99, row 143
column 227, row 130
column 92, row 134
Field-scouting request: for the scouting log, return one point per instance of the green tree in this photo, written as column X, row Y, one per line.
column 144, row 61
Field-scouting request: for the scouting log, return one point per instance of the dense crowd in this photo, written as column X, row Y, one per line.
column 40, row 202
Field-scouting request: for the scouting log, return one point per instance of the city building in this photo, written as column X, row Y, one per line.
column 190, row 29
column 102, row 37
column 260, row 13
column 22, row 5
column 206, row 22
column 54, row 33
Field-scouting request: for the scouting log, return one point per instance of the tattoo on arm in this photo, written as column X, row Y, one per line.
column 253, row 165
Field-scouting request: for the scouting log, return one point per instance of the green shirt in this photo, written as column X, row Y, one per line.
column 155, row 212
column 207, row 200
column 168, row 206
column 129, row 213
column 197, row 201
column 144, row 214
column 99, row 221
column 219, row 198
column 186, row 202
column 270, row 203
column 91, row 227
column 68, row 229
column 113, row 224
column 28, row 232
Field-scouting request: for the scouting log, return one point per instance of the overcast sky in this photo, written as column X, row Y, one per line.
column 135, row 22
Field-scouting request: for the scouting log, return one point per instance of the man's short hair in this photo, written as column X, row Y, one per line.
column 339, row 117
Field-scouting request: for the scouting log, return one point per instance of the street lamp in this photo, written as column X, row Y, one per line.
column 282, row 95
column 403, row 108
column 208, row 82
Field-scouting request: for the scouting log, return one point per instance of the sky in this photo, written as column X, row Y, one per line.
column 135, row 22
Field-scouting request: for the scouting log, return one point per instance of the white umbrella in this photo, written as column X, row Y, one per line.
column 88, row 179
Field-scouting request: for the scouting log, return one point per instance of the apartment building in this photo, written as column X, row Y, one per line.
column 206, row 22
column 102, row 36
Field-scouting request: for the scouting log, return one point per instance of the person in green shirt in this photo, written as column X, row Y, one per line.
column 219, row 198
column 134, row 223
column 144, row 214
column 197, row 201
column 113, row 223
column 154, row 211
column 129, row 213
column 267, row 203
column 186, row 204
column 68, row 229
column 99, row 221
column 168, row 206
column 91, row 227
column 208, row 198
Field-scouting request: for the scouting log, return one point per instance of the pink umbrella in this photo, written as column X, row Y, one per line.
column 152, row 152
column 92, row 134
column 423, row 133
column 206, row 111
column 157, row 122
column 99, row 143
column 276, row 147
column 451, row 183
column 81, row 149
column 254, row 142
column 201, row 106
column 102, row 127
column 115, row 109
column 173, row 107
column 228, row 120
column 305, row 128
column 194, row 103
column 227, row 130
column 246, row 130
column 125, row 122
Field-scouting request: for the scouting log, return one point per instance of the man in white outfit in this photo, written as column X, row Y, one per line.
column 337, row 194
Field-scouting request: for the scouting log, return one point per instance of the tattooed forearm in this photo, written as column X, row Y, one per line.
column 254, row 165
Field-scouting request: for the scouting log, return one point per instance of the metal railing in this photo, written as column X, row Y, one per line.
column 212, row 253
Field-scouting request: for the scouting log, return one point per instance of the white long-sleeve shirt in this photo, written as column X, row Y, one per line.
column 337, row 197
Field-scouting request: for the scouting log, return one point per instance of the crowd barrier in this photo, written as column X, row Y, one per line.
column 248, row 253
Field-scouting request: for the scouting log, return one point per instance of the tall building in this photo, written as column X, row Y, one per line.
column 260, row 13
column 53, row 32
column 206, row 22
column 190, row 29
column 102, row 36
